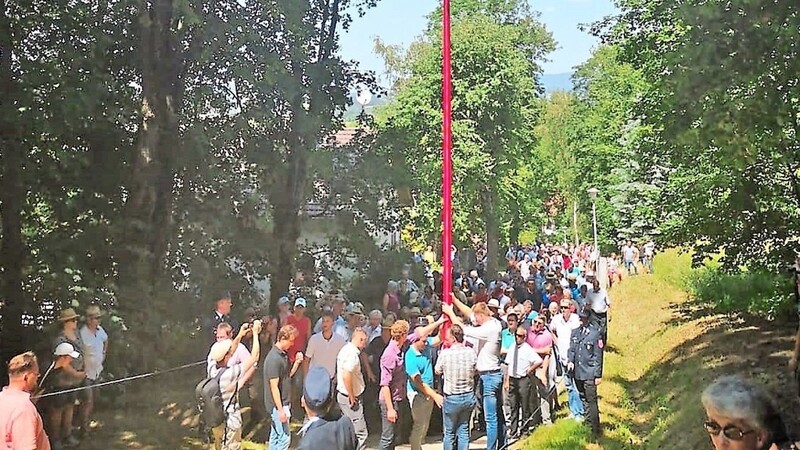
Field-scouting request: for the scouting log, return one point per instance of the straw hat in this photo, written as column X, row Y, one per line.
column 94, row 311
column 67, row 314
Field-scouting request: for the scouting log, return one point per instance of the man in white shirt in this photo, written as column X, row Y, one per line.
column 598, row 300
column 324, row 346
column 522, row 360
column 373, row 328
column 562, row 326
column 350, row 384
column 487, row 331
column 95, row 346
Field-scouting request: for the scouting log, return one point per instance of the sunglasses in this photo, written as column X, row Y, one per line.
column 731, row 432
column 564, row 308
column 520, row 335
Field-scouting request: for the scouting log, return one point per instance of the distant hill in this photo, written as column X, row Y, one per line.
column 557, row 82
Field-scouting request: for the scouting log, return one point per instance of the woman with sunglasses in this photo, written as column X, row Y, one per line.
column 742, row 416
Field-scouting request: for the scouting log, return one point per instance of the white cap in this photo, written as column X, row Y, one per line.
column 493, row 303
column 219, row 350
column 66, row 349
column 300, row 301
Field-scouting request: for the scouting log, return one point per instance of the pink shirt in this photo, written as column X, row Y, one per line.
column 20, row 423
column 540, row 340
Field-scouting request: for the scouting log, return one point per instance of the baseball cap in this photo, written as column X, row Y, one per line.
column 589, row 273
column 66, row 349
column 493, row 303
column 317, row 388
column 300, row 301
column 283, row 300
column 565, row 302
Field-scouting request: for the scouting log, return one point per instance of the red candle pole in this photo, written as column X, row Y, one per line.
column 447, row 162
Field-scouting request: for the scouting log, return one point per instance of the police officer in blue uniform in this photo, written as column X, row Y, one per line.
column 585, row 363
column 326, row 427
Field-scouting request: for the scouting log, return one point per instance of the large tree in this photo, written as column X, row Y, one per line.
column 723, row 106
column 495, row 107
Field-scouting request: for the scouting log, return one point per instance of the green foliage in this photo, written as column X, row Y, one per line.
column 760, row 293
column 722, row 109
column 496, row 186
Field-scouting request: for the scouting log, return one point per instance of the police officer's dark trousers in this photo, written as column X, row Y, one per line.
column 588, row 391
column 519, row 395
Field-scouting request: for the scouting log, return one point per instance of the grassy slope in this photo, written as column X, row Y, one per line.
column 664, row 349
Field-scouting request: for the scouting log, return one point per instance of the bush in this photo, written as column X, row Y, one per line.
column 759, row 293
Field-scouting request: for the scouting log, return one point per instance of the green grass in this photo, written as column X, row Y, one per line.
column 638, row 399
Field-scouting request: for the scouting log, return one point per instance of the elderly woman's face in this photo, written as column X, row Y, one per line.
column 733, row 434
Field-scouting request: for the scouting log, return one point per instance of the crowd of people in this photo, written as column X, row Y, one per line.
column 490, row 361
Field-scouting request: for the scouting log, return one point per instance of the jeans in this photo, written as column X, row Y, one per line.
column 356, row 415
column 456, row 412
column 588, row 392
column 389, row 430
column 493, row 410
column 421, row 408
column 629, row 264
column 573, row 396
column 519, row 394
column 279, row 437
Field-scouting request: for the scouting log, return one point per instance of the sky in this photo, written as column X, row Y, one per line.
column 397, row 22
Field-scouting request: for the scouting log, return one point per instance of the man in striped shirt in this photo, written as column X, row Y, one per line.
column 457, row 366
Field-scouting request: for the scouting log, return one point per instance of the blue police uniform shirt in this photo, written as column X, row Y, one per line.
column 420, row 362
column 329, row 433
column 586, row 353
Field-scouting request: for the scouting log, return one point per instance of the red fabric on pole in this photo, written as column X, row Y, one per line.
column 447, row 161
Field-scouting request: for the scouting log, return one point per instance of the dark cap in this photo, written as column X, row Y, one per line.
column 585, row 312
column 317, row 389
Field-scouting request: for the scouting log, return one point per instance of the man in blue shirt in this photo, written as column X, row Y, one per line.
column 421, row 396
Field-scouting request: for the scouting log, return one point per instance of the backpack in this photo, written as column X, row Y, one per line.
column 209, row 400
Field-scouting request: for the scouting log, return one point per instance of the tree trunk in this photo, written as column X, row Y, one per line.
column 492, row 233
column 12, row 201
column 287, row 198
column 148, row 209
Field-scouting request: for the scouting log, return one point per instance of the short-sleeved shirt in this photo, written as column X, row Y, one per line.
column 323, row 352
column 419, row 362
column 93, row 349
column 506, row 340
column 488, row 337
column 230, row 394
column 303, row 325
column 598, row 301
column 457, row 365
column 240, row 355
column 540, row 340
column 519, row 358
column 628, row 252
column 276, row 365
column 563, row 331
column 20, row 424
column 349, row 360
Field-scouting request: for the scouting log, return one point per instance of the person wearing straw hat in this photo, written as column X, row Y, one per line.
column 95, row 347
column 21, row 423
column 73, row 376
